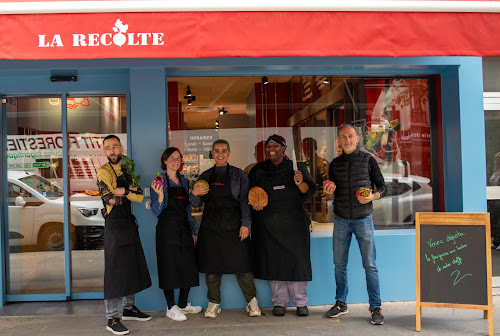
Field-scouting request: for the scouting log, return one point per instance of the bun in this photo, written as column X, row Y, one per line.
column 257, row 195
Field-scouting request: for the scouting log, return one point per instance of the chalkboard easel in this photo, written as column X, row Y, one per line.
column 454, row 262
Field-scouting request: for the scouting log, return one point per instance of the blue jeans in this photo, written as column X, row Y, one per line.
column 362, row 228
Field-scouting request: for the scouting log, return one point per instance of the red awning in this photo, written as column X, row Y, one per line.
column 247, row 34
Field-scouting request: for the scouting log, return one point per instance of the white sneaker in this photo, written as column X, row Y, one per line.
column 253, row 307
column 213, row 310
column 498, row 248
column 176, row 314
column 191, row 309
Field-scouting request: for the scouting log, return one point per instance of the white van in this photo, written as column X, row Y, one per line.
column 36, row 215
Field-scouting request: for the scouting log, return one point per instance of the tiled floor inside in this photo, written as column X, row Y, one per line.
column 78, row 307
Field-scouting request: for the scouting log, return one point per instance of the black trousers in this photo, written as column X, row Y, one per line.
column 183, row 297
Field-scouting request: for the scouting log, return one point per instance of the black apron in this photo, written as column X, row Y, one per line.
column 125, row 268
column 175, row 253
column 219, row 248
column 280, row 232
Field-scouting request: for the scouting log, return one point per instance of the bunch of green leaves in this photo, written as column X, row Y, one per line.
column 129, row 165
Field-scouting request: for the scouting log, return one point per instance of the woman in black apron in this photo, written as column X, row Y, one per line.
column 280, row 231
column 223, row 244
column 175, row 236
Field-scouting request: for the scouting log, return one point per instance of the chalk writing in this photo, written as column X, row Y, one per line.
column 458, row 274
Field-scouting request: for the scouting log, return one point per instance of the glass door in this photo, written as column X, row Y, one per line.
column 54, row 148
column 35, row 227
column 90, row 119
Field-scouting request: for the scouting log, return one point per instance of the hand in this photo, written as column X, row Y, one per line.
column 200, row 189
column 257, row 207
column 157, row 188
column 366, row 199
column 329, row 188
column 132, row 188
column 298, row 178
column 244, row 232
column 194, row 239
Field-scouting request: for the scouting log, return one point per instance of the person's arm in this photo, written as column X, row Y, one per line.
column 307, row 186
column 494, row 178
column 197, row 200
column 157, row 206
column 135, row 194
column 243, row 198
column 377, row 178
column 329, row 188
column 185, row 184
column 105, row 185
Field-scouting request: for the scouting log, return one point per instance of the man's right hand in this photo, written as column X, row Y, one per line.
column 257, row 207
column 329, row 188
column 200, row 189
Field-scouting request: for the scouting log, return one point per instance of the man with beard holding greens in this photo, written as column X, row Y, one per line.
column 125, row 268
column 280, row 231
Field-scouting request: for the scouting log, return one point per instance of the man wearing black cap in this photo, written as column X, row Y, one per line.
column 280, row 231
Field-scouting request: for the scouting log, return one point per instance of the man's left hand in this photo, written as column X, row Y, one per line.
column 367, row 199
column 244, row 232
column 132, row 188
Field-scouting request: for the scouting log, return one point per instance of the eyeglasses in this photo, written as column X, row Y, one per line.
column 224, row 151
column 175, row 158
column 107, row 148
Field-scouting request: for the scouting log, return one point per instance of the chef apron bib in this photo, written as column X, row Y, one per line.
column 219, row 248
column 280, row 232
column 175, row 252
column 125, row 268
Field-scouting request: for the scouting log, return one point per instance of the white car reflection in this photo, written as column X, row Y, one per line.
column 404, row 197
column 36, row 215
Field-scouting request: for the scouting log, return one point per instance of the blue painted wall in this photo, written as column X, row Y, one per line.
column 145, row 82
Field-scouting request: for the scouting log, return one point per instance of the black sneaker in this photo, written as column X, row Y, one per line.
column 116, row 327
column 337, row 310
column 279, row 311
column 302, row 311
column 135, row 314
column 377, row 317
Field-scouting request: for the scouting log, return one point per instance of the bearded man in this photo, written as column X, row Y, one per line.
column 125, row 268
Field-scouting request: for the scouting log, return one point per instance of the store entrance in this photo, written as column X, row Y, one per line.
column 54, row 224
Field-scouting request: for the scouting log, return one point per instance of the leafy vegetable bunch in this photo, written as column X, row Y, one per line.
column 129, row 165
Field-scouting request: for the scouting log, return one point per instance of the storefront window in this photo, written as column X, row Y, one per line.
column 391, row 116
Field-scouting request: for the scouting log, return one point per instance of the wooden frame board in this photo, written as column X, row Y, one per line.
column 442, row 219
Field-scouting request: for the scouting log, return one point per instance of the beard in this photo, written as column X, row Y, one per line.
column 116, row 160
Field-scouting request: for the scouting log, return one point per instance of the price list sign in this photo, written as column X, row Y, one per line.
column 453, row 262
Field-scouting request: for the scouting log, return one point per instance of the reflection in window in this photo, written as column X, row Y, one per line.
column 392, row 116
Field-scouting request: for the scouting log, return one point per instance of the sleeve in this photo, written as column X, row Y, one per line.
column 246, row 212
column 105, row 185
column 156, row 206
column 309, row 180
column 197, row 201
column 252, row 177
column 135, row 196
column 331, row 175
column 376, row 176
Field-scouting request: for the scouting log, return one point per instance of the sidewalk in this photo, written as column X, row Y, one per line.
column 87, row 318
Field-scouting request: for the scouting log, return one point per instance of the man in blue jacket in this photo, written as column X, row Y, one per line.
column 349, row 172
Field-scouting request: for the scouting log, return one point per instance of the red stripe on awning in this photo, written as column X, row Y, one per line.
column 250, row 34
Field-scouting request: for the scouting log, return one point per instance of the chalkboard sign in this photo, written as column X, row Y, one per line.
column 453, row 260
column 453, row 264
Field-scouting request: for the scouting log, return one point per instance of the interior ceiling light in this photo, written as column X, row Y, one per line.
column 217, row 122
column 326, row 80
column 265, row 80
column 190, row 102
column 188, row 92
column 222, row 111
